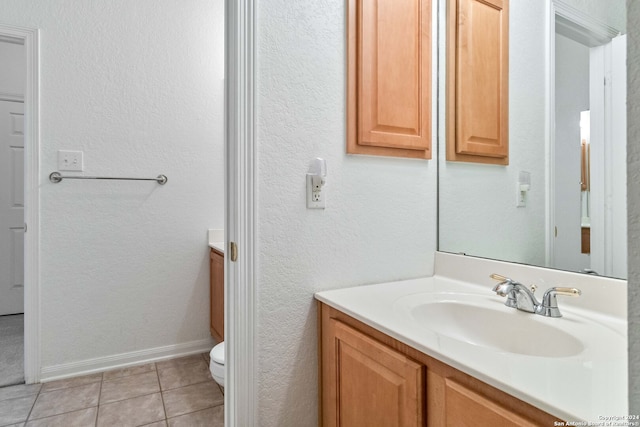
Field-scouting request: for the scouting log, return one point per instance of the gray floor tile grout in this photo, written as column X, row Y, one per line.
column 66, row 388
column 29, row 419
column 193, row 412
column 95, row 423
column 164, row 408
column 187, row 385
column 33, row 405
column 128, row 398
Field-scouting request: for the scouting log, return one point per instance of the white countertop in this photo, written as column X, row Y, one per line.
column 582, row 387
column 216, row 240
column 219, row 246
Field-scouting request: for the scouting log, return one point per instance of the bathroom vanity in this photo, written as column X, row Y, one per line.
column 216, row 284
column 445, row 350
column 411, row 388
column 216, row 294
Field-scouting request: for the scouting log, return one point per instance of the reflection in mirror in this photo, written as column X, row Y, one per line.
column 561, row 201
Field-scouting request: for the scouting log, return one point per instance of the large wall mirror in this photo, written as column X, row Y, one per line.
column 567, row 140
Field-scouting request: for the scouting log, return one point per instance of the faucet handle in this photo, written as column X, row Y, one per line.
column 549, row 306
column 503, row 284
column 569, row 292
column 500, row 278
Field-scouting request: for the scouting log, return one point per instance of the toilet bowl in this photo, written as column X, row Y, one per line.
column 216, row 365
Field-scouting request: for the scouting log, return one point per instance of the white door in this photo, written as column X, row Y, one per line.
column 608, row 158
column 571, row 97
column 11, row 207
column 617, row 192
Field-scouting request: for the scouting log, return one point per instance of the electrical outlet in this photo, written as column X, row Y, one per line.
column 316, row 193
column 70, row 160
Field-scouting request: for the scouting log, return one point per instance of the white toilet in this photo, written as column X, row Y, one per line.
column 216, row 365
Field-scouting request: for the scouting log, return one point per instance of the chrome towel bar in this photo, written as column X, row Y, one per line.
column 56, row 177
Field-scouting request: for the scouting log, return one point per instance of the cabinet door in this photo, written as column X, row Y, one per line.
column 366, row 383
column 217, row 296
column 478, row 82
column 389, row 78
column 465, row 407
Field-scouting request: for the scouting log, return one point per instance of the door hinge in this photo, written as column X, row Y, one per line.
column 233, row 248
column 25, row 227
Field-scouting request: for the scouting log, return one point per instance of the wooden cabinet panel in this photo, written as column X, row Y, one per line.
column 369, row 384
column 585, row 240
column 389, row 78
column 464, row 407
column 371, row 379
column 216, row 294
column 478, row 81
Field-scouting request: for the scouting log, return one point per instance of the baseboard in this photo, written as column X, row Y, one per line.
column 123, row 360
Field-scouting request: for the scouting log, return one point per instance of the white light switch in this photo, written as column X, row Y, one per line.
column 70, row 160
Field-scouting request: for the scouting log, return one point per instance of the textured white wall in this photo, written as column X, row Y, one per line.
column 478, row 213
column 380, row 221
column 633, row 200
column 138, row 87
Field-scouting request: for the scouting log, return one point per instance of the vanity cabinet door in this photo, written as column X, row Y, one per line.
column 216, row 293
column 465, row 407
column 389, row 78
column 478, row 81
column 366, row 383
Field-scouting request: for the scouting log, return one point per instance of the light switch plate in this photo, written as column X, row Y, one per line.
column 70, row 160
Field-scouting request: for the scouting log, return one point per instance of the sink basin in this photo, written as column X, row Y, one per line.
column 497, row 327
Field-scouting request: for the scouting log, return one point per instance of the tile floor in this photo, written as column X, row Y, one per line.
column 172, row 393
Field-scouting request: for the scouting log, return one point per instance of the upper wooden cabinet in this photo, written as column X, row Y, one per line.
column 478, row 81
column 389, row 78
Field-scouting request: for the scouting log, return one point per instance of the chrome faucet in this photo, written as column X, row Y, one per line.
column 549, row 306
column 521, row 298
column 518, row 296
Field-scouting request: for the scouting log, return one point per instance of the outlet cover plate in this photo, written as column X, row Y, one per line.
column 70, row 160
column 315, row 199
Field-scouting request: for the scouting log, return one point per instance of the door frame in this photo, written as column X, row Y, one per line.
column 30, row 38
column 241, row 401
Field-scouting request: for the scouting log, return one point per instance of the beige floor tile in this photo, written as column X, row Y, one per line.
column 21, row 390
column 192, row 398
column 72, row 382
column 16, row 425
column 128, row 387
column 16, row 410
column 207, row 357
column 172, row 363
column 132, row 412
column 212, row 417
column 81, row 418
column 158, row 424
column 131, row 370
column 184, row 375
column 65, row 400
